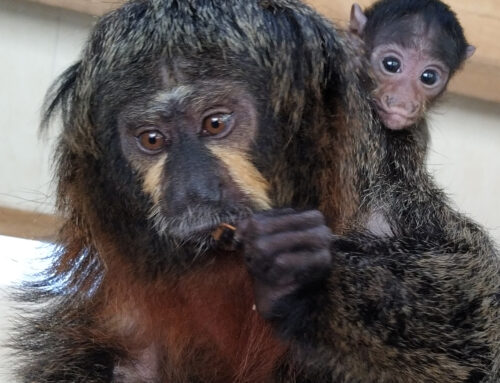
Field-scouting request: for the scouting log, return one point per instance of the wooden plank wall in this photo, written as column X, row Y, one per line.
column 27, row 224
column 480, row 77
column 480, row 18
column 91, row 7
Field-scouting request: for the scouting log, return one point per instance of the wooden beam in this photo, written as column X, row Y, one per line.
column 480, row 18
column 91, row 7
column 29, row 225
column 479, row 80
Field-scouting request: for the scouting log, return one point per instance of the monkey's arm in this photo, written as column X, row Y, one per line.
column 62, row 344
column 418, row 309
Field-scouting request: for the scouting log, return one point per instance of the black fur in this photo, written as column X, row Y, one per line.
column 395, row 19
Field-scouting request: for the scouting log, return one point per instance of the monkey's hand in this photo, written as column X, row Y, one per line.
column 287, row 254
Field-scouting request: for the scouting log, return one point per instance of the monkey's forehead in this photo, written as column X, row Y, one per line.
column 419, row 27
column 283, row 41
column 268, row 35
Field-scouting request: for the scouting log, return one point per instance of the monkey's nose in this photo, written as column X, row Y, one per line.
column 409, row 108
column 389, row 100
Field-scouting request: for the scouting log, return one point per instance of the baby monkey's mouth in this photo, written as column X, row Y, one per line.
column 395, row 120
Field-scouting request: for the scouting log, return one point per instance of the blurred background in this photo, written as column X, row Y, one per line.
column 40, row 38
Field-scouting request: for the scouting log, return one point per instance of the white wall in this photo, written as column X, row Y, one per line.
column 465, row 157
column 36, row 44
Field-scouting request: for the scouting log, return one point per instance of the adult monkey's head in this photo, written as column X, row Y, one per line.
column 182, row 115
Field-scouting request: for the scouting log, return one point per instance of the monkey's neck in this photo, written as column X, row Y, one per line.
column 198, row 322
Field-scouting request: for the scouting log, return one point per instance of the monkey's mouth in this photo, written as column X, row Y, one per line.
column 395, row 120
column 197, row 223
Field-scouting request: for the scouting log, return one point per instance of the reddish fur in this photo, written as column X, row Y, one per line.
column 340, row 202
column 208, row 312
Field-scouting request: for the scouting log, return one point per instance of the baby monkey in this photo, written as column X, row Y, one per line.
column 414, row 47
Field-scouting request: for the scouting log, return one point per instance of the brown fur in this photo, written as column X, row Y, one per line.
column 205, row 320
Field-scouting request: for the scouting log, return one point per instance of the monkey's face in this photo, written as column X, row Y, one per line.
column 408, row 79
column 190, row 146
column 182, row 115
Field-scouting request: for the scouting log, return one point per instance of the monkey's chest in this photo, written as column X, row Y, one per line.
column 230, row 341
column 230, row 345
column 205, row 329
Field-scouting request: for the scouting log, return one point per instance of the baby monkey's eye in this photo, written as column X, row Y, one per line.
column 429, row 77
column 216, row 124
column 391, row 64
column 151, row 141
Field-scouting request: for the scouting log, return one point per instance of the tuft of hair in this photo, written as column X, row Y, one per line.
column 59, row 95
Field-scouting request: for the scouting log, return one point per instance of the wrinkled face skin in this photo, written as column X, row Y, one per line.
column 408, row 79
column 190, row 143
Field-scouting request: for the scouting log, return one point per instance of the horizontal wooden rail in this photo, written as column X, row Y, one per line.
column 91, row 7
column 480, row 18
column 29, row 225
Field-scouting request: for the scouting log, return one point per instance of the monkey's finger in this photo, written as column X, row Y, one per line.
column 275, row 212
column 246, row 225
column 313, row 238
column 296, row 267
column 303, row 262
column 288, row 222
column 245, row 230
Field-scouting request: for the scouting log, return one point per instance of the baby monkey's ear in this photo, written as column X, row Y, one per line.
column 358, row 20
column 468, row 52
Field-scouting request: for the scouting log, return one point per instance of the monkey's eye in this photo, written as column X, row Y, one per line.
column 216, row 124
column 151, row 141
column 391, row 64
column 429, row 77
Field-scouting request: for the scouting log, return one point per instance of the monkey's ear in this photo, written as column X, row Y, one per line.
column 469, row 51
column 358, row 20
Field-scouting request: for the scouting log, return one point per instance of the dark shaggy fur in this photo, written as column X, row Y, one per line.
column 125, row 303
column 396, row 18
